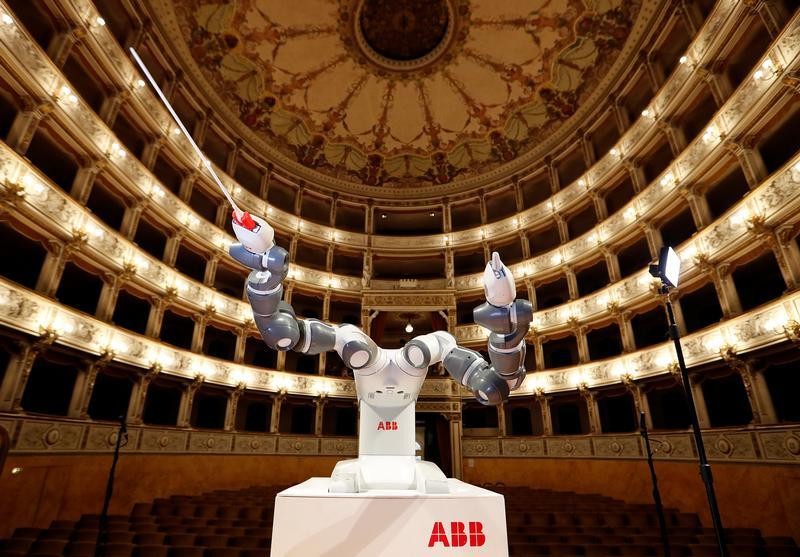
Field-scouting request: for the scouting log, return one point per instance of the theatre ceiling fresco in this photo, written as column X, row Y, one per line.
column 392, row 92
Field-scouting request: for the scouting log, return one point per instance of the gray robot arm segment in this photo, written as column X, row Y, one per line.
column 276, row 320
column 471, row 370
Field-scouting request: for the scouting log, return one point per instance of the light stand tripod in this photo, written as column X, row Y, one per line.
column 705, row 467
column 122, row 440
column 662, row 522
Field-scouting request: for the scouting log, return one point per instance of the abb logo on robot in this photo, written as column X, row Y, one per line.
column 473, row 536
column 387, row 426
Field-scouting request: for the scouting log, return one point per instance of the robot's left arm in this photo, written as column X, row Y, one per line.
column 508, row 319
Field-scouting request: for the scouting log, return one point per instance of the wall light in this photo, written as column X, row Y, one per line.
column 7, row 20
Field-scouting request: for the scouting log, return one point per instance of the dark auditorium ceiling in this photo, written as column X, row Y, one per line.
column 399, row 93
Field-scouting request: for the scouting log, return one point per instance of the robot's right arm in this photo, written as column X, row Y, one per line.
column 276, row 320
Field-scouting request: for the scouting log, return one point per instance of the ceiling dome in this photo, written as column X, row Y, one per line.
column 404, row 92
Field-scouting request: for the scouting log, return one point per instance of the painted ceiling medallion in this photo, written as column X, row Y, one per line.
column 403, row 33
column 394, row 92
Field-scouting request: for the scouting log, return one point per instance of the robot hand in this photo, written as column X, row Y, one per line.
column 498, row 284
column 256, row 248
column 255, row 235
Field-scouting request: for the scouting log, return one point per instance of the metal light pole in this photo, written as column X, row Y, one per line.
column 705, row 467
column 668, row 269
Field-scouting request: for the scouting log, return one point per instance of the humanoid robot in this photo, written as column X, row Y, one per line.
column 388, row 381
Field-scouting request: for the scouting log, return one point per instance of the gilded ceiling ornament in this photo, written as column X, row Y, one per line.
column 387, row 92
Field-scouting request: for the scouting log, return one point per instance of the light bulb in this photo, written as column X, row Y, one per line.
column 409, row 327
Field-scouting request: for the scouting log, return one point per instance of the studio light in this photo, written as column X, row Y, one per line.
column 668, row 268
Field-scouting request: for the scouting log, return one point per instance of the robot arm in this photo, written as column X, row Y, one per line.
column 508, row 320
column 276, row 320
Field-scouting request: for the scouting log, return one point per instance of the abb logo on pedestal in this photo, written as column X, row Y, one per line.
column 387, row 426
column 458, row 537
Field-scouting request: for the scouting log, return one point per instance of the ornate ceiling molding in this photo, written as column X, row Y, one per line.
column 169, row 27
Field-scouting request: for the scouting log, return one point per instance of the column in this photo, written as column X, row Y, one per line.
column 173, row 244
column 266, row 179
column 753, row 167
column 623, row 319
column 233, row 404
column 201, row 127
column 552, row 175
column 369, row 217
column 675, row 137
column 600, row 207
column 53, row 268
column 612, row 264
column 718, row 82
column 653, row 70
column 456, row 432
column 636, row 172
column 698, row 205
column 26, row 122
column 755, row 387
column 84, row 179
column 158, row 305
column 653, row 236
column 587, row 148
column 591, row 408
column 580, row 337
column 199, row 333
column 544, row 407
column 241, row 344
column 298, row 200
column 640, row 402
column 531, row 289
column 563, row 229
column 130, row 221
column 726, row 290
column 319, row 404
column 139, row 395
column 447, row 216
column 482, row 201
column 501, row 419
column 366, row 277
column 620, row 115
column 526, row 246
column 538, row 342
column 187, row 186
column 110, row 292
column 782, row 244
column 334, row 209
column 771, row 14
column 18, row 371
column 111, row 106
column 275, row 416
column 84, row 385
column 518, row 200
column 680, row 321
column 690, row 15
column 699, row 401
column 151, row 150
column 572, row 283
column 61, row 45
column 187, row 401
column 450, row 267
column 211, row 269
column 233, row 157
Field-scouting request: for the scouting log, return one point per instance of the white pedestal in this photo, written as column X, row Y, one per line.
column 310, row 522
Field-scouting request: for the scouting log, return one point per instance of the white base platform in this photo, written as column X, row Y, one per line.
column 310, row 522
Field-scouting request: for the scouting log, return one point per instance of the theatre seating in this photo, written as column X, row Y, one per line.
column 239, row 524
